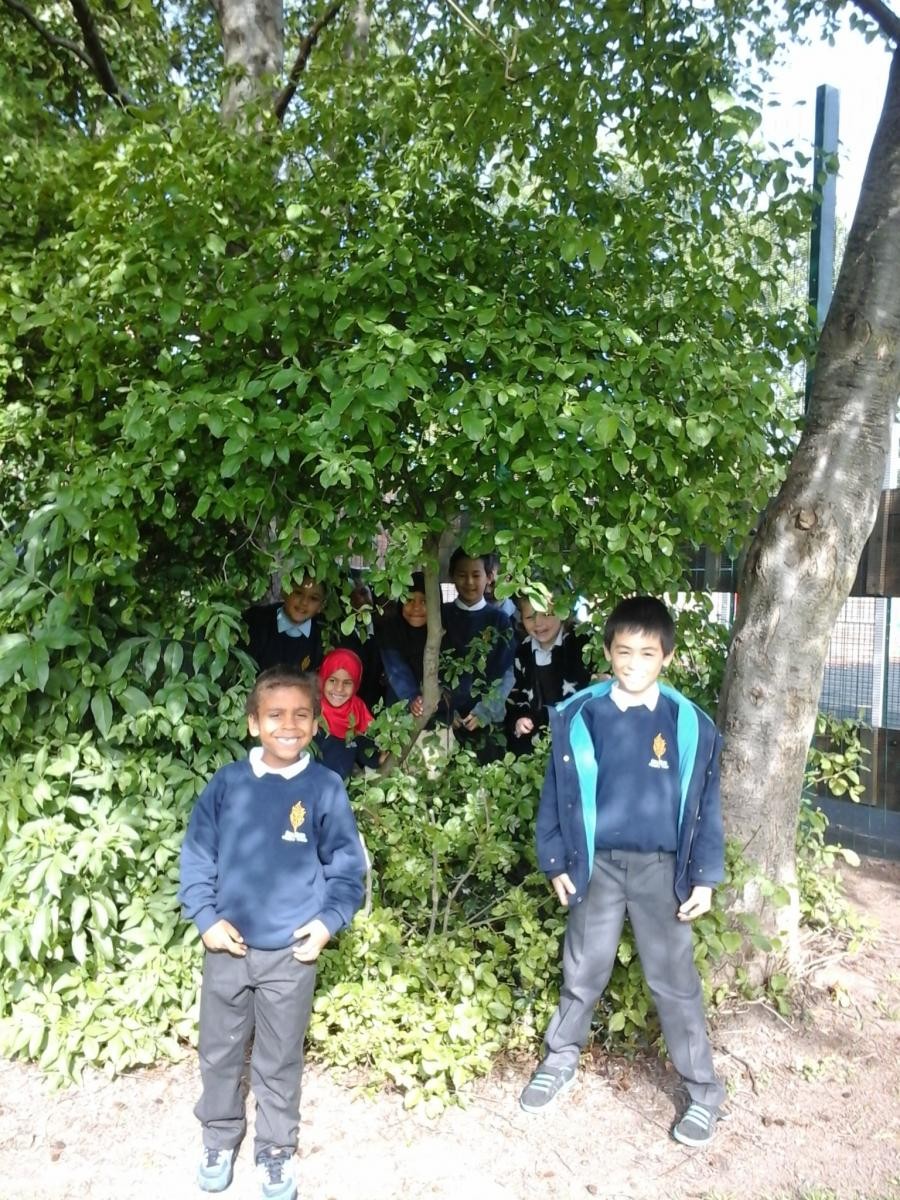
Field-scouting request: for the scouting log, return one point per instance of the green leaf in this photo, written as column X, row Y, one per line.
column 134, row 701
column 101, row 707
column 473, row 426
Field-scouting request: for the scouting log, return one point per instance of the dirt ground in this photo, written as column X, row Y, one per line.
column 814, row 1103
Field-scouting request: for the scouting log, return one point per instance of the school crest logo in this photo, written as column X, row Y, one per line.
column 296, row 818
column 659, row 750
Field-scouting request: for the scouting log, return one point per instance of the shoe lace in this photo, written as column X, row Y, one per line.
column 212, row 1156
column 273, row 1165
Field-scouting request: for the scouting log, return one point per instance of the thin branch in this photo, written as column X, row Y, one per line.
column 98, row 60
column 459, row 883
column 306, row 48
column 475, row 27
column 886, row 20
column 52, row 39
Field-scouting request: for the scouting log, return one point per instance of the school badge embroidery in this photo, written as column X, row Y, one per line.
column 659, row 749
column 296, row 818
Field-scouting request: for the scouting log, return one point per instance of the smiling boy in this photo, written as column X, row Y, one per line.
column 271, row 870
column 630, row 823
column 549, row 666
column 477, row 696
column 290, row 633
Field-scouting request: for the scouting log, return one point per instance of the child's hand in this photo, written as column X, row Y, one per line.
column 312, row 940
column 417, row 706
column 224, row 936
column 697, row 903
column 564, row 888
column 470, row 722
column 524, row 726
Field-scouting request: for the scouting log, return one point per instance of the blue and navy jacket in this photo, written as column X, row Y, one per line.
column 567, row 815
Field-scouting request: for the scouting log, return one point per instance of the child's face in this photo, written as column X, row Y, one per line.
column 470, row 579
column 414, row 611
column 338, row 688
column 284, row 724
column 361, row 597
column 542, row 626
column 637, row 660
column 304, row 601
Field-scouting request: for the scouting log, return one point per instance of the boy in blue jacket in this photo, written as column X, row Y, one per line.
column 630, row 822
column 271, row 869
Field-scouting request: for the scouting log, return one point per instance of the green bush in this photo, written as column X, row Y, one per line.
column 98, row 774
column 457, row 961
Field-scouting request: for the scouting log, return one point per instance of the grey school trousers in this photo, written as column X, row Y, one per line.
column 641, row 885
column 269, row 994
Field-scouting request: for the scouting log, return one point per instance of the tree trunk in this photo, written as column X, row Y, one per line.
column 253, row 45
column 431, row 690
column 803, row 559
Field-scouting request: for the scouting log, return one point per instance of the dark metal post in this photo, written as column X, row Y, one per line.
column 824, row 222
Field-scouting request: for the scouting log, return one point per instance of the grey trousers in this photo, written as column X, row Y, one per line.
column 641, row 885
column 269, row 994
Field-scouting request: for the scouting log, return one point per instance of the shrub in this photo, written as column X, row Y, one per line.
column 457, row 960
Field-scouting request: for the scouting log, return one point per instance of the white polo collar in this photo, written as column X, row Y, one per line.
column 543, row 657
column 623, row 700
column 482, row 603
column 260, row 768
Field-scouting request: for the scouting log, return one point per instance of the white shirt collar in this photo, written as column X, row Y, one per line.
column 482, row 603
column 543, row 657
column 261, row 768
column 623, row 700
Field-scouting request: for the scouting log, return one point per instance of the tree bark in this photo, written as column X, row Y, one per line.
column 253, row 46
column 803, row 559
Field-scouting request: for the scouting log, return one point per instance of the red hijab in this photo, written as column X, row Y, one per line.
column 339, row 719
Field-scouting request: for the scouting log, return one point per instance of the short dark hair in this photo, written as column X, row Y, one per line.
column 641, row 614
column 276, row 677
column 460, row 553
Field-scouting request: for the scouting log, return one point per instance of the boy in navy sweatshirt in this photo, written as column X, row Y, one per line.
column 290, row 633
column 271, row 870
column 629, row 822
column 477, row 697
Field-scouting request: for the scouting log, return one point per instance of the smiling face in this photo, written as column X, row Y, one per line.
column 470, row 580
column 543, row 627
column 637, row 660
column 304, row 601
column 414, row 611
column 284, row 724
column 338, row 688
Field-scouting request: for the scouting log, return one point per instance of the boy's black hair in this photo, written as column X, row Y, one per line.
column 276, row 677
column 418, row 582
column 460, row 553
column 641, row 614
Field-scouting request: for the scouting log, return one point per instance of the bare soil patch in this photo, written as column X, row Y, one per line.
column 815, row 1107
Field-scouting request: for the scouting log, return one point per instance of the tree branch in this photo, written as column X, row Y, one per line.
column 286, row 95
column 52, row 39
column 886, row 20
column 98, row 61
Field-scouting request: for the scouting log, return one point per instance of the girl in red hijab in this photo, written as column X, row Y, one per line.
column 344, row 716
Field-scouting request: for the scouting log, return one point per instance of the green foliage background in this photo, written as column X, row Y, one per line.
column 519, row 272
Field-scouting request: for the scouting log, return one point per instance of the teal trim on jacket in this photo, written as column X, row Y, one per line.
column 567, row 816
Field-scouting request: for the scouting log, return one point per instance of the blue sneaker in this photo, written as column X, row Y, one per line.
column 216, row 1169
column 276, row 1175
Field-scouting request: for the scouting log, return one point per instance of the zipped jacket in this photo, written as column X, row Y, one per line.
column 567, row 815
